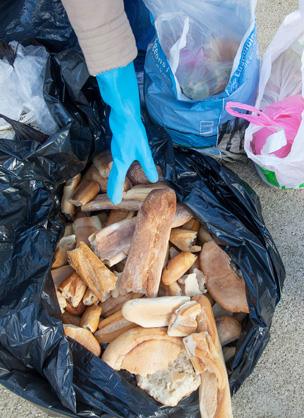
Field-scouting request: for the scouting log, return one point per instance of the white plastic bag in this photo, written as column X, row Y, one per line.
column 282, row 75
column 200, row 39
column 21, row 86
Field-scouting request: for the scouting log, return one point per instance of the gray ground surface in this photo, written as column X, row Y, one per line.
column 275, row 389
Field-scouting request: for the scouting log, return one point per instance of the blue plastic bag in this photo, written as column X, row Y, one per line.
column 200, row 24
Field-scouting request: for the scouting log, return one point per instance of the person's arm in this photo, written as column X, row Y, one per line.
column 103, row 32
column 108, row 45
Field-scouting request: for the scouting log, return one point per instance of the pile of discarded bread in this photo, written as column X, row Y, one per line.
column 145, row 284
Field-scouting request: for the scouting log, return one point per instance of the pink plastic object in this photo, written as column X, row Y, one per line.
column 286, row 115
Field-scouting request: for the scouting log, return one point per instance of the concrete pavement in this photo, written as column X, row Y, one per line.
column 275, row 389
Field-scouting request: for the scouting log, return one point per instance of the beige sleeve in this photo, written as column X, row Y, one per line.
column 103, row 32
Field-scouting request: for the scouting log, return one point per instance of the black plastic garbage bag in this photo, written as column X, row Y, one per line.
column 43, row 20
column 36, row 360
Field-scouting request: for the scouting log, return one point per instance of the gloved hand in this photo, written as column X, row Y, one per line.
column 119, row 89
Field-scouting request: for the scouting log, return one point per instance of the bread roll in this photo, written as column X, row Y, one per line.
column 223, row 284
column 182, row 216
column 83, row 337
column 229, row 329
column 177, row 267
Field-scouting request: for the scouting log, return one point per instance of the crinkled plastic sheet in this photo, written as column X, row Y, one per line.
column 36, row 360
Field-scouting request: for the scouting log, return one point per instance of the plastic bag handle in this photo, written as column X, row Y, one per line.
column 257, row 117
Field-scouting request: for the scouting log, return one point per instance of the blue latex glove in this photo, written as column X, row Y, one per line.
column 119, row 89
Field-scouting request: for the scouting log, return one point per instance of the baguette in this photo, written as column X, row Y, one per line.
column 204, row 236
column 112, row 243
column 89, row 298
column 102, row 202
column 193, row 225
column 75, row 311
column 223, row 284
column 87, row 191
column 69, row 319
column 61, row 255
column 91, row 317
column 83, row 337
column 61, row 273
column 61, row 301
column 73, row 289
column 113, row 305
column 171, row 385
column 84, row 227
column 142, row 272
column 184, row 240
column 68, row 190
column 118, row 215
column 207, row 351
column 92, row 271
column 152, row 312
column 174, row 289
column 140, row 192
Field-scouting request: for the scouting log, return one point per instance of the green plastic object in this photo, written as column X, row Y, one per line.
column 270, row 178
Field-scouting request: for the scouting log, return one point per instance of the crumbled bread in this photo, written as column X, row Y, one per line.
column 173, row 384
